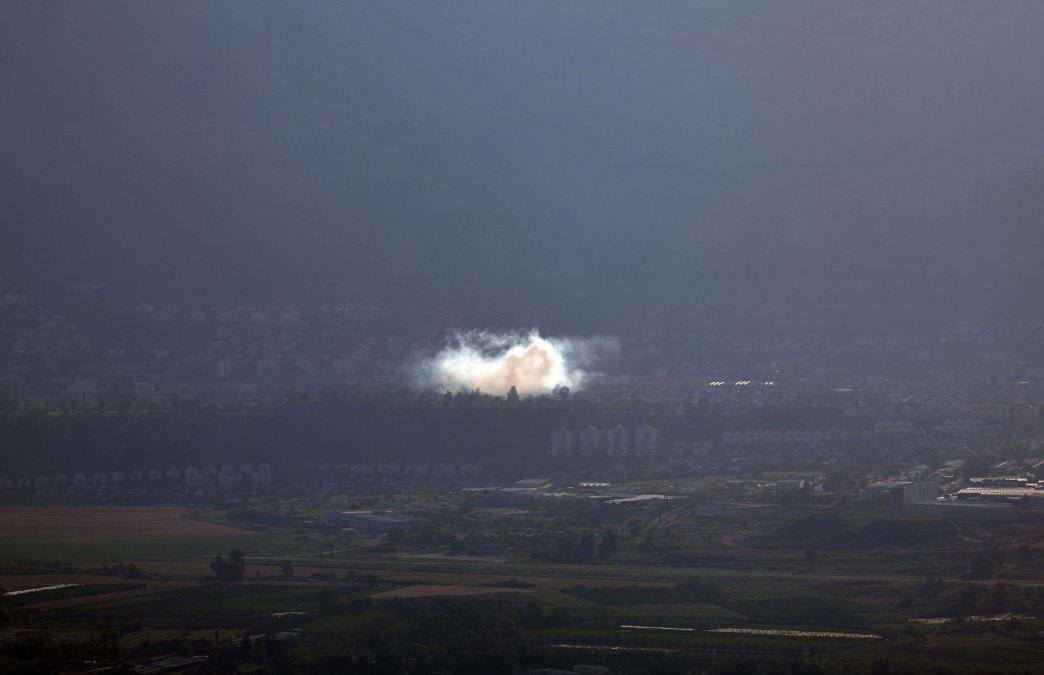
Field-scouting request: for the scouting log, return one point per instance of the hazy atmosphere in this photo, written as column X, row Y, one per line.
column 571, row 165
column 521, row 337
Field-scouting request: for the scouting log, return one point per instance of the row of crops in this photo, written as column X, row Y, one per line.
column 64, row 592
column 698, row 641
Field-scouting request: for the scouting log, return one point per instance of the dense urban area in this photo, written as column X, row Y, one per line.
column 228, row 489
column 460, row 337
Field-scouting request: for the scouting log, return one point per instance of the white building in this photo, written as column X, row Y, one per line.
column 646, row 441
column 616, row 441
column 193, row 477
column 228, row 476
column 590, row 441
column 902, row 492
column 562, row 443
column 263, row 475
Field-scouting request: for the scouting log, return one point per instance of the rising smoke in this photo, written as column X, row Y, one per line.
column 494, row 362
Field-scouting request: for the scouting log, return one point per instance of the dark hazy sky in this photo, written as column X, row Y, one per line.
column 581, row 165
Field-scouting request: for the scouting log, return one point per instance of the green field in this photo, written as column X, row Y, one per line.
column 672, row 577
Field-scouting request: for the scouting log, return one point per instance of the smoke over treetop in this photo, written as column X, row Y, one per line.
column 493, row 363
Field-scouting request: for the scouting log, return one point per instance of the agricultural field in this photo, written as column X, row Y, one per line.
column 103, row 534
column 429, row 590
column 676, row 587
column 90, row 523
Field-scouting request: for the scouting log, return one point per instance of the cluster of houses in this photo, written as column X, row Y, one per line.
column 246, row 475
column 617, row 442
column 380, row 472
column 789, row 439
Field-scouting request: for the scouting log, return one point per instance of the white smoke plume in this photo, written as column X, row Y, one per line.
column 494, row 362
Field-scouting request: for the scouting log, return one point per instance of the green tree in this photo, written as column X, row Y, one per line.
column 586, row 546
column 969, row 599
column 932, row 587
column 327, row 601
column 1000, row 597
column 983, row 565
column 694, row 589
column 607, row 547
column 1026, row 555
column 231, row 569
column 532, row 616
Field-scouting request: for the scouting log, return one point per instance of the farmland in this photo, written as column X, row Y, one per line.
column 89, row 523
column 425, row 591
column 678, row 589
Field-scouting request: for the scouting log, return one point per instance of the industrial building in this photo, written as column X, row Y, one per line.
column 899, row 493
column 988, row 512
